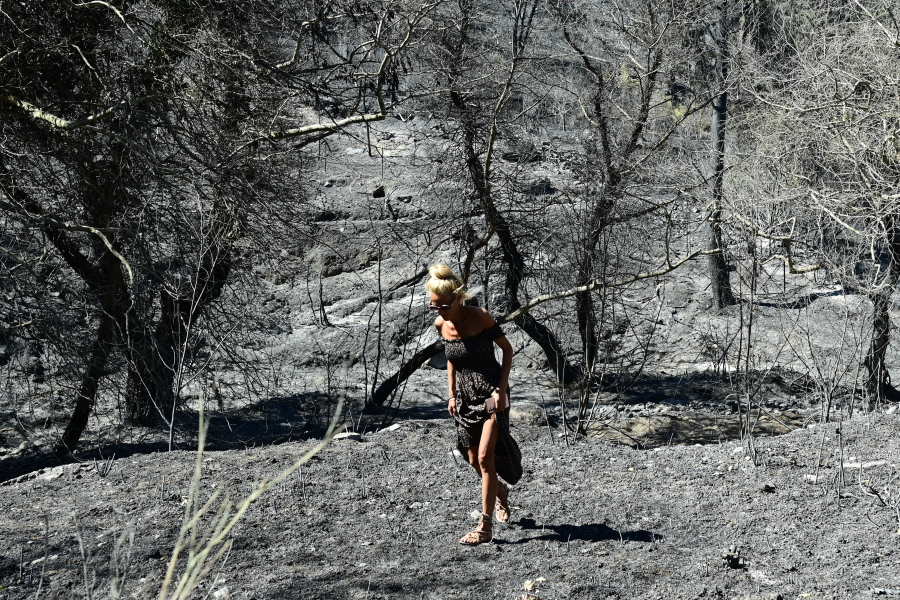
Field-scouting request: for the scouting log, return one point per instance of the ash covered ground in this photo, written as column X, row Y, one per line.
column 812, row 515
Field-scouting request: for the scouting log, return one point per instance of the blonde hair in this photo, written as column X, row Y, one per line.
column 444, row 282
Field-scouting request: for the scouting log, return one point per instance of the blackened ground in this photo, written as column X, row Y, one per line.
column 813, row 516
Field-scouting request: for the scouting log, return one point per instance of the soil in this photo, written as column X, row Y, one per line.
column 809, row 514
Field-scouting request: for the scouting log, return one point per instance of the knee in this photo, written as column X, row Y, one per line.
column 486, row 461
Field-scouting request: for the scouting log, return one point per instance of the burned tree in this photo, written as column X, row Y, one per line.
column 143, row 161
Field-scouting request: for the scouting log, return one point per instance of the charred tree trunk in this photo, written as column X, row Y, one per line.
column 512, row 258
column 610, row 166
column 720, row 283
column 584, row 302
column 100, row 199
column 878, row 382
column 515, row 272
column 151, row 378
column 387, row 387
column 96, row 363
column 142, row 387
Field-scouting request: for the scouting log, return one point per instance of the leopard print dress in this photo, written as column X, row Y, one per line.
column 477, row 374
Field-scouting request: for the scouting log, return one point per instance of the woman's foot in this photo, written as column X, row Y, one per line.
column 503, row 509
column 481, row 534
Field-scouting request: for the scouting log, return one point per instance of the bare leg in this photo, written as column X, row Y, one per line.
column 473, row 459
column 481, row 457
column 487, row 468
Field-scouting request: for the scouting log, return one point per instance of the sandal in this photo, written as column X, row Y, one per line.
column 504, row 511
column 481, row 534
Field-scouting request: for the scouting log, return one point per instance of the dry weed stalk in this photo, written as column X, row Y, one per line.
column 205, row 540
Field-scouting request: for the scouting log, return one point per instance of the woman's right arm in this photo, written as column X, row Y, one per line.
column 451, row 386
column 451, row 373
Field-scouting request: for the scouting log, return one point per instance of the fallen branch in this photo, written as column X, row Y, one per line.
column 387, row 387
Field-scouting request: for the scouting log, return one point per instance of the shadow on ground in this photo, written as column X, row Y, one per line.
column 692, row 408
column 591, row 532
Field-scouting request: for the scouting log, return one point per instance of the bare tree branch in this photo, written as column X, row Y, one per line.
column 60, row 123
column 596, row 285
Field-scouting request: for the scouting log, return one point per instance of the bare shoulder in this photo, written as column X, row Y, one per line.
column 484, row 318
column 439, row 324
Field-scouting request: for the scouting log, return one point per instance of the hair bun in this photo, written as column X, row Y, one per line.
column 442, row 272
column 443, row 281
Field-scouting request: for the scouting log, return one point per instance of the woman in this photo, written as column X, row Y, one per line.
column 479, row 394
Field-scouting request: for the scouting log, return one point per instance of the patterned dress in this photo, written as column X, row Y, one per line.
column 477, row 374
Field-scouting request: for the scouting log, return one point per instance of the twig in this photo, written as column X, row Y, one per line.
column 104, row 467
column 549, row 431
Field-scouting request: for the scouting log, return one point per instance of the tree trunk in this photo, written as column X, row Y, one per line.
column 151, row 377
column 96, row 364
column 515, row 264
column 142, row 389
column 584, row 302
column 515, row 273
column 878, row 382
column 718, row 267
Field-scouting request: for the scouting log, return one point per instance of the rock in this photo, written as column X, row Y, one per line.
column 393, row 427
column 52, row 474
column 348, row 435
column 326, row 216
column 541, row 187
column 733, row 559
column 521, row 156
column 458, row 459
column 221, row 594
column 605, row 412
column 528, row 414
column 855, row 464
column 891, row 410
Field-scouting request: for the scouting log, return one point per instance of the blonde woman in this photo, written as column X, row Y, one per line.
column 478, row 394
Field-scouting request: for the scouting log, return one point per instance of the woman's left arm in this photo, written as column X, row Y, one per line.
column 502, row 399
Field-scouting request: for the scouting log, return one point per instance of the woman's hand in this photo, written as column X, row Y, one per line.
column 451, row 406
column 500, row 399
